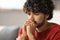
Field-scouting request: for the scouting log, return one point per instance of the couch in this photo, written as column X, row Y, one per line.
column 9, row 33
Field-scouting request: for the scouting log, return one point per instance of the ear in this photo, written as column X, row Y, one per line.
column 47, row 16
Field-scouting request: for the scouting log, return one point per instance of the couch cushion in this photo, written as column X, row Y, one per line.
column 9, row 33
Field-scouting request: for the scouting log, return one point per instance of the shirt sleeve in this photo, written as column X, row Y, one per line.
column 57, row 36
column 20, row 32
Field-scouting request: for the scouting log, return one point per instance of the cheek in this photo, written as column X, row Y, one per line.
column 39, row 19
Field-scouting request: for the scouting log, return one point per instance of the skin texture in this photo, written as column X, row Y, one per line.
column 37, row 21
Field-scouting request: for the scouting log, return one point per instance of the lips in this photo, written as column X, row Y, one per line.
column 35, row 22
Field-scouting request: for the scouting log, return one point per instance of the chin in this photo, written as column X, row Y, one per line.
column 40, row 25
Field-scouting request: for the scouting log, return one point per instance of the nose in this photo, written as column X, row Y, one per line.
column 31, row 17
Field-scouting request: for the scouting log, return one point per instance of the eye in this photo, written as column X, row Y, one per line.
column 36, row 13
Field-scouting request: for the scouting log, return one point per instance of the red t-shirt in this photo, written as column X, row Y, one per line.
column 53, row 33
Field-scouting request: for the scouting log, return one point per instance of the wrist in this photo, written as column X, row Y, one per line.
column 31, row 37
column 24, row 37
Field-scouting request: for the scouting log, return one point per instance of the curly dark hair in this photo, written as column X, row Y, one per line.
column 44, row 6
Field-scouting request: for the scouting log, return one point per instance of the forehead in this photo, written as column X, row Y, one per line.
column 34, row 13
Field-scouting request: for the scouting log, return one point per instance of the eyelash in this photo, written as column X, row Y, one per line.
column 36, row 13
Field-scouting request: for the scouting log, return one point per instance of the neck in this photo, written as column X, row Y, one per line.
column 44, row 27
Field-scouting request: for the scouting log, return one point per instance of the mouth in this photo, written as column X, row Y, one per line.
column 36, row 23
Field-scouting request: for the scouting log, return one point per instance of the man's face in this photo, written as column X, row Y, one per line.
column 38, row 18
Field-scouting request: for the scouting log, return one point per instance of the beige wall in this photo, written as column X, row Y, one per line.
column 12, row 18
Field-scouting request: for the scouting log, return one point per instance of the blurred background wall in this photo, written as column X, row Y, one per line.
column 15, row 16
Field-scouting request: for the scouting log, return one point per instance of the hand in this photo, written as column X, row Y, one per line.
column 28, row 30
column 31, row 27
column 24, row 33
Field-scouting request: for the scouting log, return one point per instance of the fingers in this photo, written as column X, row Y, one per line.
column 30, row 22
column 24, row 29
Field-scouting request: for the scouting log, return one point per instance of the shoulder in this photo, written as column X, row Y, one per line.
column 55, row 26
column 57, row 36
column 54, row 33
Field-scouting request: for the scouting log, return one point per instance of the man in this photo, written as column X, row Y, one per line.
column 37, row 26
